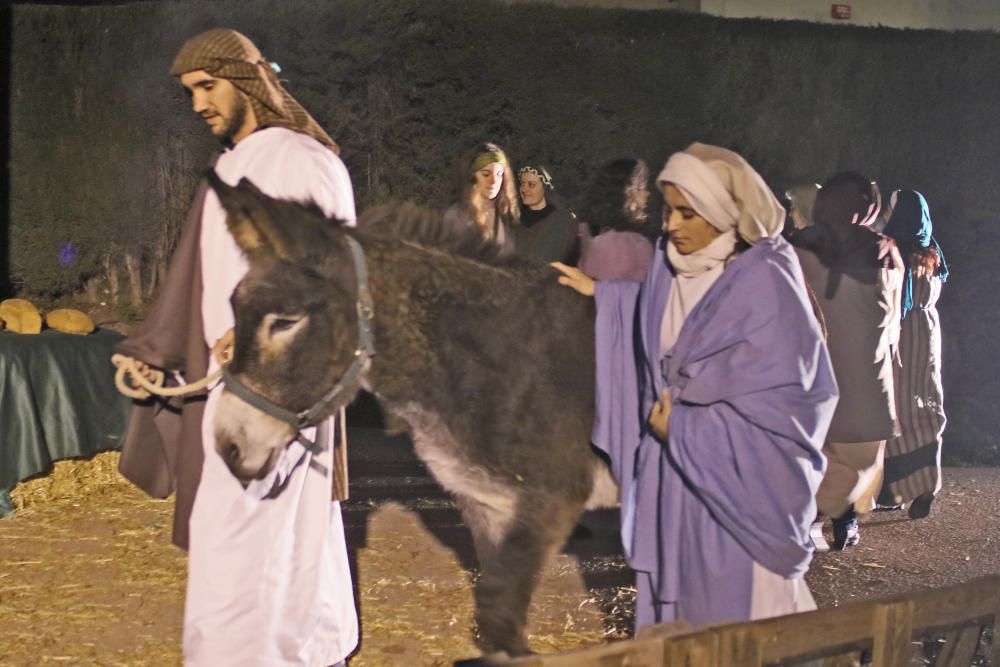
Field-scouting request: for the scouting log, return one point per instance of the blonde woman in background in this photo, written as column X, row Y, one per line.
column 485, row 194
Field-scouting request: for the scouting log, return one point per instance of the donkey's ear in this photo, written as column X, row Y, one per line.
column 247, row 217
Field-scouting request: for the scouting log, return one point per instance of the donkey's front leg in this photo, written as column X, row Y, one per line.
column 509, row 575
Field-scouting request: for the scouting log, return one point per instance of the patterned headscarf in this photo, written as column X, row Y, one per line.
column 725, row 190
column 911, row 228
column 541, row 172
column 227, row 54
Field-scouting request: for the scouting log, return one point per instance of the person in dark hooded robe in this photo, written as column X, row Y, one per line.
column 856, row 279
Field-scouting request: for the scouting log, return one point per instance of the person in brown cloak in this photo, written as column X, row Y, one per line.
column 161, row 451
column 268, row 581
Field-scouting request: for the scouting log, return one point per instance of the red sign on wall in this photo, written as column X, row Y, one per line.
column 841, row 12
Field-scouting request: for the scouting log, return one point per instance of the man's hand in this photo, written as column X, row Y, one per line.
column 574, row 278
column 146, row 370
column 222, row 351
column 659, row 417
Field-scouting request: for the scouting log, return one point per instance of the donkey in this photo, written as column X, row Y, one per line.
column 486, row 357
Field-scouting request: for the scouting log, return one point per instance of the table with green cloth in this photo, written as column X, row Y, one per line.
column 57, row 400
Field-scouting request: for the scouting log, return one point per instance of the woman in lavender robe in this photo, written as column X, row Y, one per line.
column 714, row 393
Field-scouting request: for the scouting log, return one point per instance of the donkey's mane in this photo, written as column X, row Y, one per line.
column 417, row 224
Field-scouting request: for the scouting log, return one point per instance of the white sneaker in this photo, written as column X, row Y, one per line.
column 820, row 545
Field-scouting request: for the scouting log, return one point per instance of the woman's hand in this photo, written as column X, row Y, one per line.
column 885, row 245
column 659, row 417
column 574, row 278
column 222, row 351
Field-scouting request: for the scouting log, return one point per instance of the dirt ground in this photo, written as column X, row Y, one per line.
column 91, row 579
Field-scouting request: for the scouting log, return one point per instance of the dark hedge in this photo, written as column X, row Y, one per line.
column 105, row 151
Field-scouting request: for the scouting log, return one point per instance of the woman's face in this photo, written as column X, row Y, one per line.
column 689, row 232
column 489, row 179
column 532, row 191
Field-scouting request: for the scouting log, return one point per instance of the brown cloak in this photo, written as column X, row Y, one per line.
column 161, row 449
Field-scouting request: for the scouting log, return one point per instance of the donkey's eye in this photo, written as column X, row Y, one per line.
column 278, row 324
column 282, row 324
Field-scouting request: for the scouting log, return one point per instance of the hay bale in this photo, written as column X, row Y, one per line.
column 71, row 479
column 20, row 316
column 69, row 320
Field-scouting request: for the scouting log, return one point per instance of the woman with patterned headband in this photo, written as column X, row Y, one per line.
column 548, row 229
column 485, row 194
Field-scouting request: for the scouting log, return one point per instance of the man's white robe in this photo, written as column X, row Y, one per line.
column 268, row 580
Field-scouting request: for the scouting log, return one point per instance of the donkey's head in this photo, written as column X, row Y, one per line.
column 296, row 321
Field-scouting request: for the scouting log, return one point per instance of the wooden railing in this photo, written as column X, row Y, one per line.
column 887, row 630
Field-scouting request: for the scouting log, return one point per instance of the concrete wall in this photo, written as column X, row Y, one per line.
column 683, row 5
column 940, row 14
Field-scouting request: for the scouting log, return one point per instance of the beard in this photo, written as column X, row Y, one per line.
column 235, row 122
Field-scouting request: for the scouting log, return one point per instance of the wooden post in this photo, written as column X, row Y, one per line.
column 892, row 631
column 696, row 650
column 665, row 630
column 740, row 647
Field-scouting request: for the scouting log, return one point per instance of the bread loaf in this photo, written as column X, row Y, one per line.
column 19, row 315
column 69, row 320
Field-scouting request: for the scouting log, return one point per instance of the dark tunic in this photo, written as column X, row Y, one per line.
column 859, row 300
column 547, row 235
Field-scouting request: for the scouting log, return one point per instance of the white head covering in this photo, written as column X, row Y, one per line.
column 725, row 190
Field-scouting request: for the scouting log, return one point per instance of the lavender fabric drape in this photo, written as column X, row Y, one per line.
column 753, row 394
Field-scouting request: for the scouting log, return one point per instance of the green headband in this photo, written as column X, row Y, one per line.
column 488, row 158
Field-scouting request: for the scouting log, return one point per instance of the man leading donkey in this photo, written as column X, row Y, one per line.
column 268, row 577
